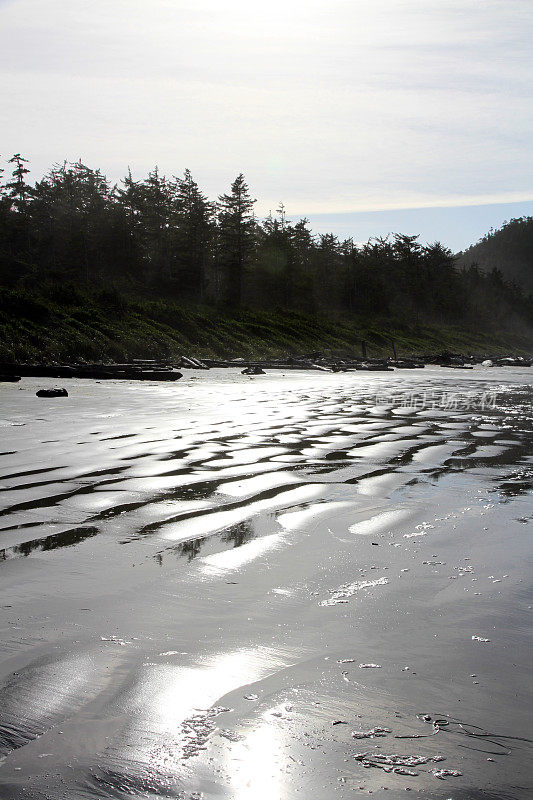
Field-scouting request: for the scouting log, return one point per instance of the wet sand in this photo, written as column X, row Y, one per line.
column 273, row 587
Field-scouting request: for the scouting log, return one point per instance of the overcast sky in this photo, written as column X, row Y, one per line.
column 333, row 106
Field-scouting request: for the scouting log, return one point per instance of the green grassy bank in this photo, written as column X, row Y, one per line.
column 67, row 326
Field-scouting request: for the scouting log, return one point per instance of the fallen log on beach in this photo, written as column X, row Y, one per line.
column 141, row 370
column 169, row 370
column 159, row 375
column 192, row 363
column 52, row 392
column 513, row 362
column 370, row 367
column 406, row 364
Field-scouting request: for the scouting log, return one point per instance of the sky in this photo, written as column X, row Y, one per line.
column 412, row 112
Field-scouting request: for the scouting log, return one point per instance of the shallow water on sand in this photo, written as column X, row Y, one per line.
column 292, row 585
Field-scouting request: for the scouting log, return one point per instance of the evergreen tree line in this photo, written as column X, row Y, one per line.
column 163, row 237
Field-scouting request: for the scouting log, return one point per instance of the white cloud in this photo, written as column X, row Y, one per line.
column 340, row 105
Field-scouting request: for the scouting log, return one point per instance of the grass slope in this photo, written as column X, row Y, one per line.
column 106, row 327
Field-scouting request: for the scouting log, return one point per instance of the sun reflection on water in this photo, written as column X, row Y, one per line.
column 174, row 709
column 257, row 765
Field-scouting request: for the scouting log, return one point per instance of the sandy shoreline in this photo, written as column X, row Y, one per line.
column 194, row 574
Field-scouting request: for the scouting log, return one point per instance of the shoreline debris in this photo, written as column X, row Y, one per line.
column 57, row 392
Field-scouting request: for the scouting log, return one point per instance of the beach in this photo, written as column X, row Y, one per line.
column 292, row 585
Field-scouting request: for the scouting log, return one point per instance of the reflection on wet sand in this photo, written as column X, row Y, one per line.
column 193, row 576
column 259, row 765
column 52, row 542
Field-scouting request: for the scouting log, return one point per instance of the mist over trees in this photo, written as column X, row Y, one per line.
column 162, row 237
column 509, row 250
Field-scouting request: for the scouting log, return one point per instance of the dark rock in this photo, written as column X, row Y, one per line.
column 9, row 378
column 253, row 371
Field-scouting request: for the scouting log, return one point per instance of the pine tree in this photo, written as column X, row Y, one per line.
column 156, row 194
column 273, row 275
column 17, row 189
column 128, row 206
column 237, row 230
column 71, row 217
column 191, row 224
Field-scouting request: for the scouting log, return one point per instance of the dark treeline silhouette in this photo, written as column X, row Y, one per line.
column 508, row 249
column 162, row 237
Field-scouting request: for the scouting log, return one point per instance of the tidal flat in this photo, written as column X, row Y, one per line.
column 306, row 585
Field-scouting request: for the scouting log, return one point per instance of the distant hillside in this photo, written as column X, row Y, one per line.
column 509, row 249
column 40, row 328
